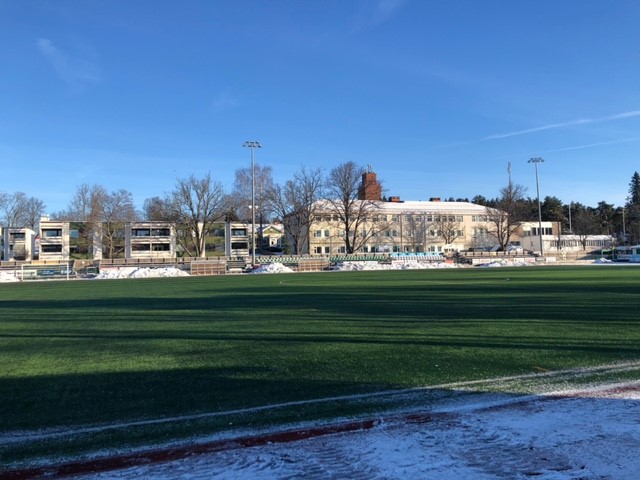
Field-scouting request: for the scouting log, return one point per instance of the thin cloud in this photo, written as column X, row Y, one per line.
column 379, row 14
column 225, row 101
column 591, row 145
column 582, row 121
column 575, row 147
column 75, row 70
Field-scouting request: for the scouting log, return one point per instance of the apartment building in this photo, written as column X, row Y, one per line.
column 17, row 243
column 396, row 226
column 62, row 240
column 149, row 240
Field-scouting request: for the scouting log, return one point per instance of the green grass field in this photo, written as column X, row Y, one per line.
column 100, row 352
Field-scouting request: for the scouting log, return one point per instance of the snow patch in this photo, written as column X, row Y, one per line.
column 8, row 277
column 272, row 268
column 139, row 272
column 602, row 260
column 505, row 263
column 395, row 265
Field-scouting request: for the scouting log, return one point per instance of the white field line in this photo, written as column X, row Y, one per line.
column 472, row 385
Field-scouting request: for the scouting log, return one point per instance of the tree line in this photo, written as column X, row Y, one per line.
column 194, row 205
column 621, row 222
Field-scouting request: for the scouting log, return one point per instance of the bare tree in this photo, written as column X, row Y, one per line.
column 242, row 191
column 342, row 187
column 34, row 208
column 295, row 203
column 585, row 223
column 118, row 208
column 504, row 217
column 85, row 212
column 156, row 209
column 414, row 230
column 447, row 227
column 12, row 206
column 86, row 205
column 194, row 205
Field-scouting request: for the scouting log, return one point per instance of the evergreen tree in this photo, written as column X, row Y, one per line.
column 634, row 190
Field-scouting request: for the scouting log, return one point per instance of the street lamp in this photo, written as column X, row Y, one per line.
column 536, row 161
column 252, row 145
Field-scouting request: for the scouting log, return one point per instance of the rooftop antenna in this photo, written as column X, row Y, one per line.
column 369, row 168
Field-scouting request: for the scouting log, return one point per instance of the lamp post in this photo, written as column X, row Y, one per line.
column 536, row 161
column 252, row 145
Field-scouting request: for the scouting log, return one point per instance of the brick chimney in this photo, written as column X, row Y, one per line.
column 370, row 188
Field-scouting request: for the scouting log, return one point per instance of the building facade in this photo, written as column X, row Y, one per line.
column 17, row 243
column 408, row 227
column 62, row 240
column 554, row 241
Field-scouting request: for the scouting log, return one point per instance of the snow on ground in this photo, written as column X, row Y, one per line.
column 603, row 260
column 272, row 268
column 395, row 265
column 139, row 272
column 590, row 435
column 505, row 263
column 7, row 277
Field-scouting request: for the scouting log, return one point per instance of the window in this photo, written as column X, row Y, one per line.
column 51, row 248
column 238, row 232
column 327, row 233
column 51, row 232
column 17, row 236
column 141, row 247
column 395, row 218
column 160, row 232
column 342, row 249
column 239, row 246
column 140, row 232
column 327, row 250
column 459, row 218
column 317, row 234
column 318, row 250
column 161, row 247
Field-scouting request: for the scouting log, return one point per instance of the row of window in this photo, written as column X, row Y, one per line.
column 150, row 232
column 389, row 233
column 151, row 247
column 384, row 249
column 429, row 217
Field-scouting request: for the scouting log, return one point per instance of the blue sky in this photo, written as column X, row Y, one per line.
column 438, row 96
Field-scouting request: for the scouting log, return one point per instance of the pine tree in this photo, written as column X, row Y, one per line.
column 634, row 190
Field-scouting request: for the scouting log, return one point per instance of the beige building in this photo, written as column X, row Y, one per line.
column 149, row 240
column 17, row 243
column 62, row 240
column 412, row 226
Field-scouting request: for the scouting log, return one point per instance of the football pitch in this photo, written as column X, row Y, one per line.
column 88, row 365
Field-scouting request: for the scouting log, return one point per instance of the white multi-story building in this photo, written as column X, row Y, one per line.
column 553, row 241
column 411, row 226
column 17, row 243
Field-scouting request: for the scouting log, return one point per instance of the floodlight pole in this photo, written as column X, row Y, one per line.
column 252, row 145
column 535, row 162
